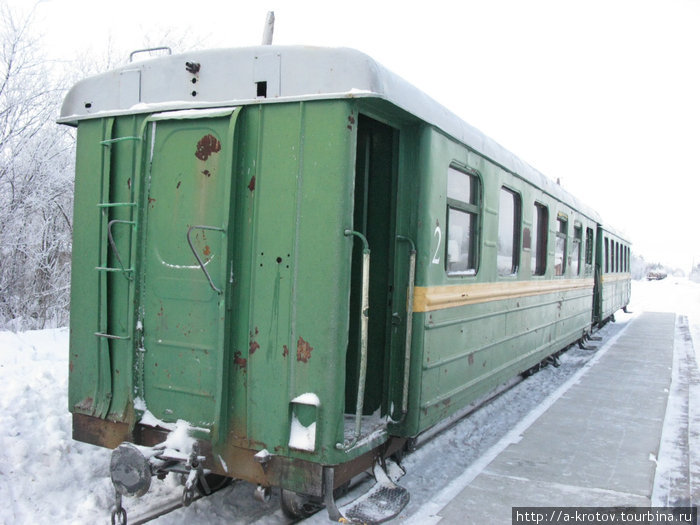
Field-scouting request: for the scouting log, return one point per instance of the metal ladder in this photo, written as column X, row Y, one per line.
column 103, row 389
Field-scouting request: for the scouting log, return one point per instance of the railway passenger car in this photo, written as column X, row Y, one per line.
column 614, row 288
column 308, row 261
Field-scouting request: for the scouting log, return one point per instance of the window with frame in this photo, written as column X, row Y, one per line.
column 560, row 246
column 540, row 229
column 619, row 257
column 576, row 251
column 589, row 250
column 607, row 256
column 612, row 256
column 462, row 221
column 508, row 258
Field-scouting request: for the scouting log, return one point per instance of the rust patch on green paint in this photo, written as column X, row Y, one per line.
column 285, row 351
column 303, row 350
column 254, row 345
column 251, row 184
column 241, row 362
column 206, row 146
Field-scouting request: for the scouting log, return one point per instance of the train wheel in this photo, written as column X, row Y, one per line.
column 298, row 506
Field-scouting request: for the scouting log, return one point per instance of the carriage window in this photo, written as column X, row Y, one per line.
column 589, row 250
column 619, row 257
column 576, row 252
column 607, row 256
column 508, row 233
column 622, row 257
column 540, row 227
column 462, row 220
column 560, row 247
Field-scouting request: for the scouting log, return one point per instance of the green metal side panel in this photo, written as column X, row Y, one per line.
column 84, row 279
column 463, row 352
column 291, row 272
column 102, row 288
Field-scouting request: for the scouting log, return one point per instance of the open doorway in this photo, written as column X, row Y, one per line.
column 374, row 213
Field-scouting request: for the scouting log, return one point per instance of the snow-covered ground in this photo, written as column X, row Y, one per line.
column 46, row 477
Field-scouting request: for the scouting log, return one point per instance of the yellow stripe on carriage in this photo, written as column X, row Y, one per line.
column 431, row 298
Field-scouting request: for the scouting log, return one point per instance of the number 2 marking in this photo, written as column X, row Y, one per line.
column 438, row 234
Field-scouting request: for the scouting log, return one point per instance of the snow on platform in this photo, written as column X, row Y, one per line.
column 594, row 442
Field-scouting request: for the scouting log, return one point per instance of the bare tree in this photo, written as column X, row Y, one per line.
column 36, row 169
column 36, row 183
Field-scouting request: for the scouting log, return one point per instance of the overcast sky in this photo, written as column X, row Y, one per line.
column 602, row 94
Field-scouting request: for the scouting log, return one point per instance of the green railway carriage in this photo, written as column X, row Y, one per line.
column 613, row 263
column 309, row 261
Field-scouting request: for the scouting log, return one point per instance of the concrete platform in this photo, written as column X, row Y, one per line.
column 598, row 443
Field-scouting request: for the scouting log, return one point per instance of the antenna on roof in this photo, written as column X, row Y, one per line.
column 269, row 28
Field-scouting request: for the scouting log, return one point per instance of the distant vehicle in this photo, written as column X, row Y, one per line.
column 695, row 274
column 656, row 275
column 227, row 206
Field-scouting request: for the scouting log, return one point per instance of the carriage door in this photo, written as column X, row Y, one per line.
column 374, row 212
column 185, row 264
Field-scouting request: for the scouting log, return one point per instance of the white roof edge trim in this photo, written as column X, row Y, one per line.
column 199, row 106
column 188, row 114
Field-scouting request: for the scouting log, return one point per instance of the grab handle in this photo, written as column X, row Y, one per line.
column 196, row 255
column 110, row 237
column 148, row 50
column 409, row 323
column 364, row 324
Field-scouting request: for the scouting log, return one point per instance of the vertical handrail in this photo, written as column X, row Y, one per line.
column 409, row 324
column 196, row 255
column 364, row 326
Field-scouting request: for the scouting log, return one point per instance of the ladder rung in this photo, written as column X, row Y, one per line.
column 106, row 269
column 110, row 336
column 109, row 142
column 114, row 204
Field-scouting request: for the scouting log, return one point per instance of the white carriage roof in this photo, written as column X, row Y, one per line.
column 233, row 77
